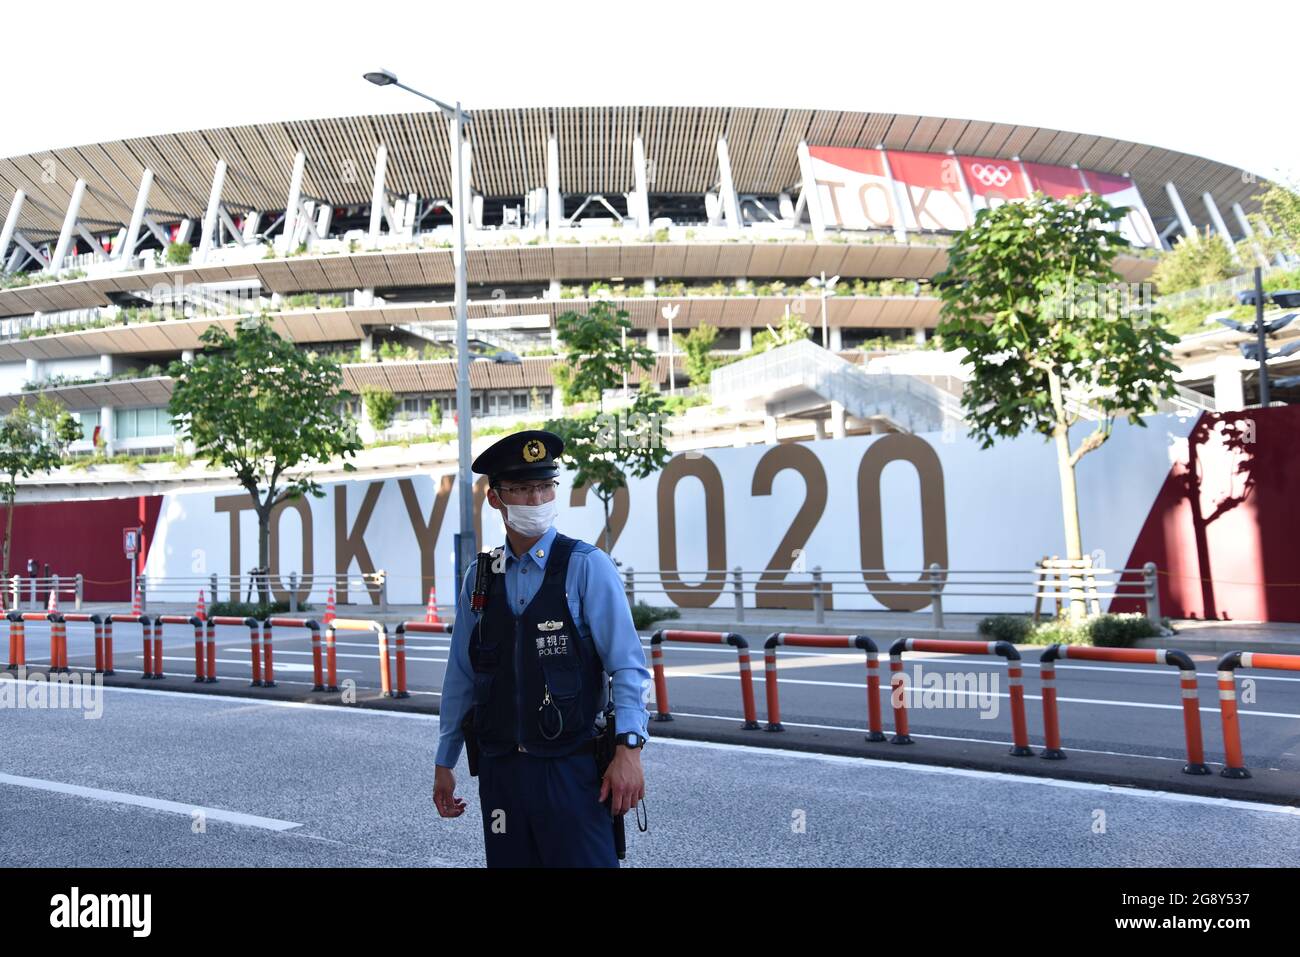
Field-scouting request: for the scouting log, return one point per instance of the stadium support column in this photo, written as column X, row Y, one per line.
column 730, row 205
column 554, row 201
column 837, row 421
column 1246, row 230
column 11, row 224
column 641, row 200
column 746, row 338
column 291, row 211
column 1229, row 392
column 324, row 219
column 377, row 192
column 1219, row 225
column 810, row 196
column 106, row 434
column 898, row 191
column 127, row 252
column 1185, row 221
column 209, row 227
column 69, row 222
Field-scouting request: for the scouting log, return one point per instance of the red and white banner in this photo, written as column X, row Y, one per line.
column 933, row 192
column 853, row 188
column 992, row 182
column 1058, row 182
column 932, row 189
column 1136, row 226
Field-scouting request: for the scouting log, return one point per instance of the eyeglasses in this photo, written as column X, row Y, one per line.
column 541, row 488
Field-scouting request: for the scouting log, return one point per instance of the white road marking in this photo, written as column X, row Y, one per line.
column 1226, row 803
column 290, row 666
column 157, row 804
column 285, row 651
column 884, row 684
column 934, row 737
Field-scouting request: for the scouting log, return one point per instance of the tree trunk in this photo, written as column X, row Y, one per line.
column 264, row 552
column 609, row 535
column 1069, row 498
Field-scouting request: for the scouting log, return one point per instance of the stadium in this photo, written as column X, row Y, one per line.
column 844, row 592
column 118, row 255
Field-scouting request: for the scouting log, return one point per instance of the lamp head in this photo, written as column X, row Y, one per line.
column 381, row 77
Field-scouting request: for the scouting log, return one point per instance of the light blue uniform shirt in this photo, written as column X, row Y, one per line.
column 598, row 605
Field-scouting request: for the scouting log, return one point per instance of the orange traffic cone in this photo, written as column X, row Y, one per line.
column 201, row 609
column 137, row 602
column 329, row 606
column 431, row 612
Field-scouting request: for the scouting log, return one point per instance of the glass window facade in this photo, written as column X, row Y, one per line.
column 141, row 423
column 89, row 421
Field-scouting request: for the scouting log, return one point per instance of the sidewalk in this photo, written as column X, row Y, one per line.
column 1192, row 635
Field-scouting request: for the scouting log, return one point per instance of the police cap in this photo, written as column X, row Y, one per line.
column 522, row 456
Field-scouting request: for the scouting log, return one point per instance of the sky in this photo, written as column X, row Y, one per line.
column 1161, row 73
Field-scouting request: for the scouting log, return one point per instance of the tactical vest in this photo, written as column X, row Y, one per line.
column 537, row 681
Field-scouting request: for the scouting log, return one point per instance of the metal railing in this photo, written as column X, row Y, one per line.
column 817, row 589
column 914, row 404
column 292, row 587
column 1226, row 287
column 34, row 593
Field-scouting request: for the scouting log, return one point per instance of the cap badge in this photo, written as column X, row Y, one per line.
column 534, row 451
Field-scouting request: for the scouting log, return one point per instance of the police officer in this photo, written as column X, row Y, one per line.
column 529, row 666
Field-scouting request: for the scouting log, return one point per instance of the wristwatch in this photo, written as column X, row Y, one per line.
column 630, row 739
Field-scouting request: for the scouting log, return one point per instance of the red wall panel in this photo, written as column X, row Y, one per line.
column 1224, row 527
column 82, row 536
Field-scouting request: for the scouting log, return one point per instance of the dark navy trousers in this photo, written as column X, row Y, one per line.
column 544, row 812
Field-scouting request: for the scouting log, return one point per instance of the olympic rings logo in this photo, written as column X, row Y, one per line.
column 991, row 175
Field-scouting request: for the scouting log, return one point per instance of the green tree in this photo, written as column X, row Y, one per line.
column 697, row 345
column 1031, row 295
column 381, row 406
column 604, row 448
column 178, row 254
column 791, row 329
column 594, row 357
column 1194, row 261
column 1279, row 214
column 32, row 439
column 260, row 406
column 435, row 413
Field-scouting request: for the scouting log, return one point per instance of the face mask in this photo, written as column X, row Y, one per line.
column 531, row 519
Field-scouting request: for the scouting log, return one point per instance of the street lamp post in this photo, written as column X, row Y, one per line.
column 670, row 313
column 465, row 537
column 825, row 286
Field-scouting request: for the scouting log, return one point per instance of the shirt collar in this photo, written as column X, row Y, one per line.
column 540, row 551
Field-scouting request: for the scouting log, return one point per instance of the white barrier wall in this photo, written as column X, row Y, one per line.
column 892, row 501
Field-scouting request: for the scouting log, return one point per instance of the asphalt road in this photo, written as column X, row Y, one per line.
column 1123, row 709
column 168, row 778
